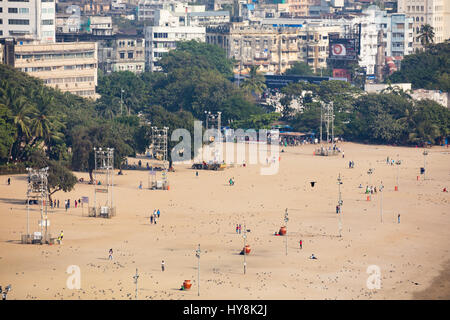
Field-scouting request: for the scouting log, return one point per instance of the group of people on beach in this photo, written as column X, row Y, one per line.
column 155, row 216
column 67, row 203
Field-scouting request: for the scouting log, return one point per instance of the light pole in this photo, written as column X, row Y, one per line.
column 370, row 172
column 397, row 163
column 425, row 153
column 136, row 277
column 381, row 201
column 197, row 254
column 244, row 236
column 340, row 204
column 121, row 100
column 286, row 219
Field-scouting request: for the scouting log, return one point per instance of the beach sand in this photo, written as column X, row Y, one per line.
column 413, row 256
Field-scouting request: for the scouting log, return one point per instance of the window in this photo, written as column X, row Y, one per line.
column 13, row 10
column 122, row 55
column 24, row 10
column 19, row 21
column 47, row 22
column 130, row 55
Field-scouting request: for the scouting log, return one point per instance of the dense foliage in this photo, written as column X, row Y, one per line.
column 429, row 69
column 66, row 128
column 386, row 118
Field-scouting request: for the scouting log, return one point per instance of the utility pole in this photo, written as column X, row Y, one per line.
column 121, row 100
column 425, row 153
column 136, row 277
column 370, row 172
column 381, row 201
column 197, row 254
column 286, row 219
column 245, row 253
column 398, row 163
column 340, row 202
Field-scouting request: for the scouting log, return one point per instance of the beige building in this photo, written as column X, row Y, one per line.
column 300, row 8
column 433, row 12
column 123, row 53
column 274, row 49
column 70, row 67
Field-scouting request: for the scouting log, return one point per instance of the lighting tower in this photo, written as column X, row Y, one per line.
column 104, row 167
column 160, row 146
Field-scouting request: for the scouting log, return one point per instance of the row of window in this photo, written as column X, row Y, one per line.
column 84, row 92
column 17, row 10
column 73, row 67
column 51, row 56
column 69, row 80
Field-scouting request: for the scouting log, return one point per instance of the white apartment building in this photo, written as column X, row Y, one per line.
column 28, row 20
column 147, row 9
column 397, row 32
column 164, row 34
column 70, row 67
column 433, row 12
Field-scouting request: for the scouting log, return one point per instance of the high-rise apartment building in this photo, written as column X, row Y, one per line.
column 28, row 20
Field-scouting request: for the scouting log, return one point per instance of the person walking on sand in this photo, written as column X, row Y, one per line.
column 76, row 204
column 58, row 203
column 158, row 213
column 237, row 228
column 110, row 254
column 65, row 204
column 9, row 181
column 151, row 219
column 301, row 244
column 162, row 265
column 398, row 218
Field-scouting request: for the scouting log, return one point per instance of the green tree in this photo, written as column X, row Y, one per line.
column 255, row 83
column 426, row 35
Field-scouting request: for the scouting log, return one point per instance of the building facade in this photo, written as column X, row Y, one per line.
column 168, row 29
column 28, row 20
column 274, row 48
column 70, row 67
column 436, row 13
column 122, row 53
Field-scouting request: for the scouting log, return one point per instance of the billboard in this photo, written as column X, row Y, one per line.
column 343, row 49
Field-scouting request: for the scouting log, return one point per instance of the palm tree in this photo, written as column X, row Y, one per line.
column 255, row 83
column 426, row 35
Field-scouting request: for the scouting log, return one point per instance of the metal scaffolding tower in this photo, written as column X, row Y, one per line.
column 37, row 191
column 103, row 180
column 160, row 151
column 213, row 122
column 327, row 120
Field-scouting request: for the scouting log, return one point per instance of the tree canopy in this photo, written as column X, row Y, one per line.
column 429, row 69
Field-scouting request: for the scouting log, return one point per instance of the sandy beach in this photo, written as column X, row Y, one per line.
column 412, row 256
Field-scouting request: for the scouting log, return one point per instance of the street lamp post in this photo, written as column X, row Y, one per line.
column 370, row 172
column 136, row 277
column 244, row 236
column 340, row 204
column 381, row 201
column 197, row 254
column 286, row 219
column 425, row 153
column 397, row 163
